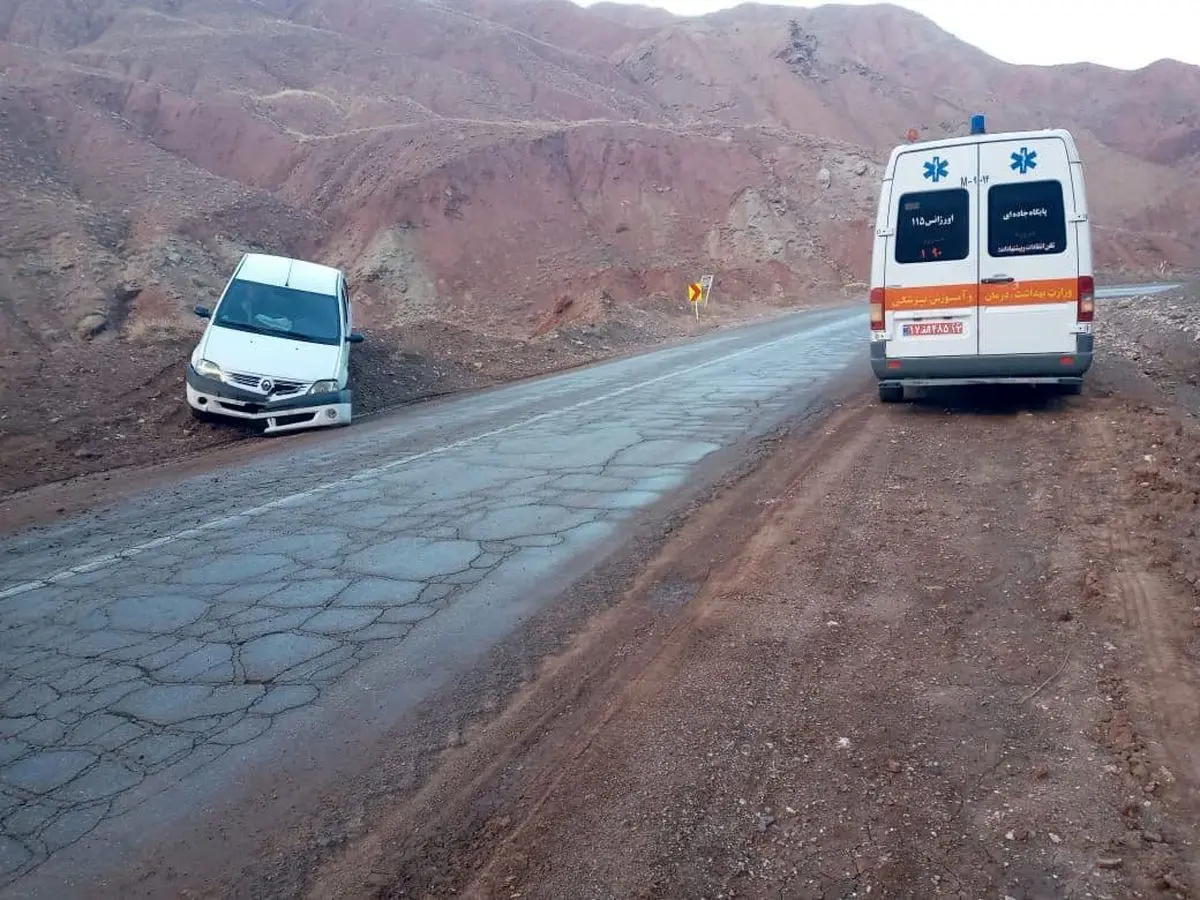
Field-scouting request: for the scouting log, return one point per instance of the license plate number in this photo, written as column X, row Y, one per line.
column 928, row 329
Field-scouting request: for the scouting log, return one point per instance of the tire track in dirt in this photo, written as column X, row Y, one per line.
column 1148, row 603
column 1157, row 608
column 995, row 575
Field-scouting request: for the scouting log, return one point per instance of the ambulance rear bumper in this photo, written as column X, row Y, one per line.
column 1034, row 368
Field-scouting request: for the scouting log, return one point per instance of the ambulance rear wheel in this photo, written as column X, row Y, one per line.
column 891, row 393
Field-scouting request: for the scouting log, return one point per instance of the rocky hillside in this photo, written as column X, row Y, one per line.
column 481, row 160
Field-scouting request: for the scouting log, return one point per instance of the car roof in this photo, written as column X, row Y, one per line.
column 281, row 271
column 989, row 137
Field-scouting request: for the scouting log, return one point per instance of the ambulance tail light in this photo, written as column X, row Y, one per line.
column 1087, row 299
column 878, row 308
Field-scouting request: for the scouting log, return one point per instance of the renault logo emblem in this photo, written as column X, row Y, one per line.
column 266, row 384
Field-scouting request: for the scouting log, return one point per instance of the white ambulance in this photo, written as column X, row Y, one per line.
column 982, row 265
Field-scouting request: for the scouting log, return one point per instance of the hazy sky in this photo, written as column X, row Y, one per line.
column 1127, row 34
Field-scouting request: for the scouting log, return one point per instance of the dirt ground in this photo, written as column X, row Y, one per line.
column 112, row 404
column 946, row 649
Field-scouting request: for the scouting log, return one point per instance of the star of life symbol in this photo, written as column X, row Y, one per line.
column 1024, row 160
column 937, row 169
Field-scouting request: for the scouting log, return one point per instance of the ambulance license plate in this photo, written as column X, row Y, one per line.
column 928, row 329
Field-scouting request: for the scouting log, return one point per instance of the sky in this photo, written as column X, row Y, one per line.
column 1125, row 34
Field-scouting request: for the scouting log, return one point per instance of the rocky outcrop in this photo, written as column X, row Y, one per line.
column 480, row 161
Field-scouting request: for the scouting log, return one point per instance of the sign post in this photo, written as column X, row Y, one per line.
column 706, row 283
column 695, row 295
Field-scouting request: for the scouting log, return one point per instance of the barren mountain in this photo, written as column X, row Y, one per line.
column 507, row 165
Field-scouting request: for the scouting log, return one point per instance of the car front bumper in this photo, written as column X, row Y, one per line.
column 213, row 396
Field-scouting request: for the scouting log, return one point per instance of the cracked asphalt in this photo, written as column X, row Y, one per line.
column 162, row 652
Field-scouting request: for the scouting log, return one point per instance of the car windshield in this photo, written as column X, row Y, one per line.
column 280, row 312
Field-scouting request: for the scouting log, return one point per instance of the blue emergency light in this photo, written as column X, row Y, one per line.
column 977, row 126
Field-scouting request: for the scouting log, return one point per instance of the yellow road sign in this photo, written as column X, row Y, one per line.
column 695, row 292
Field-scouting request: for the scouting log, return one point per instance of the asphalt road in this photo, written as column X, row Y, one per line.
column 162, row 655
column 157, row 655
column 1115, row 291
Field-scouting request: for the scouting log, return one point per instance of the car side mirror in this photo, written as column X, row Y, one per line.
column 202, row 311
column 354, row 338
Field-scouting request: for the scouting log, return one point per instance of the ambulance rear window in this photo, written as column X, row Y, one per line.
column 1026, row 219
column 934, row 226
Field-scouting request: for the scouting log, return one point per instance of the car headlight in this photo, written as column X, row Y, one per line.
column 329, row 386
column 208, row 369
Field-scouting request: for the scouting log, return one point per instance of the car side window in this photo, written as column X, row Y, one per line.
column 933, row 226
column 345, row 304
column 1026, row 219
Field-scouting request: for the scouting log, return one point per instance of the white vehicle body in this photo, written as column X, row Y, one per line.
column 982, row 264
column 276, row 349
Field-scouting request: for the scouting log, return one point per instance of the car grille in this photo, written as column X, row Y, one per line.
column 279, row 387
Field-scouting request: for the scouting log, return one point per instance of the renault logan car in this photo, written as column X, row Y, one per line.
column 276, row 348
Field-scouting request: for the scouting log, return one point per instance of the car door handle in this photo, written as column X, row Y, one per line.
column 999, row 279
